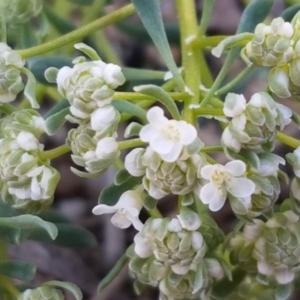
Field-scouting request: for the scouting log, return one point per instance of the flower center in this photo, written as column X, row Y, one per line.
column 220, row 179
column 171, row 132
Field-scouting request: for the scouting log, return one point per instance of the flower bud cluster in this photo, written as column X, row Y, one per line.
column 171, row 254
column 42, row 293
column 27, row 181
column 10, row 75
column 277, row 46
column 89, row 87
column 254, row 124
column 270, row 249
column 19, row 12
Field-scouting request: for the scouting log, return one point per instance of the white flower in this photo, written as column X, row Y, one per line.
column 234, row 105
column 133, row 163
column 167, row 137
column 28, row 141
column 223, row 180
column 126, row 210
column 106, row 148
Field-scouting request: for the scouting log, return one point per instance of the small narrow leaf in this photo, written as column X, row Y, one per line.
column 129, row 108
column 113, row 273
column 56, row 121
column 29, row 90
column 71, row 287
column 121, row 176
column 58, row 107
column 30, row 222
column 160, row 95
column 150, row 14
column 89, row 51
column 283, row 292
column 18, row 269
column 111, row 194
column 132, row 74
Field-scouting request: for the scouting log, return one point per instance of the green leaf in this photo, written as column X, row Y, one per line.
column 24, row 222
column 130, row 108
column 283, row 292
column 58, row 107
column 82, row 2
column 12, row 235
column 132, row 74
column 29, row 90
column 53, row 216
column 27, row 37
column 56, row 121
column 18, row 269
column 89, row 51
column 71, row 287
column 150, row 14
column 111, row 194
column 113, row 273
column 69, row 235
column 160, row 95
column 296, row 118
column 288, row 14
column 133, row 129
column 121, row 176
column 256, row 12
column 224, row 287
column 38, row 65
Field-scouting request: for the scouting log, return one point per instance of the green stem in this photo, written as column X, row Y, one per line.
column 208, row 111
column 3, row 26
column 130, row 144
column 288, row 140
column 56, row 152
column 235, row 81
column 155, row 213
column 138, row 96
column 113, row 273
column 205, row 17
column 80, row 32
column 190, row 59
column 212, row 149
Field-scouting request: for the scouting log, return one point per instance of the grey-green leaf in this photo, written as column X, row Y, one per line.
column 160, row 95
column 22, row 270
column 150, row 14
column 130, row 108
column 29, row 90
column 133, row 129
column 29, row 222
column 290, row 12
column 56, row 121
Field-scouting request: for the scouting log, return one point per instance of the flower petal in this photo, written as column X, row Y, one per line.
column 173, row 154
column 101, row 209
column 235, row 168
column 120, row 220
column 240, row 187
column 155, row 116
column 147, row 132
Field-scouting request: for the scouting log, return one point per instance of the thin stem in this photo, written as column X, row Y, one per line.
column 155, row 213
column 208, row 111
column 56, row 152
column 130, row 144
column 3, row 26
column 80, row 32
column 139, row 96
column 205, row 17
column 235, row 81
column 288, row 140
column 212, row 149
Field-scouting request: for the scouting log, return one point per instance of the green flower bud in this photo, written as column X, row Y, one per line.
column 162, row 178
column 19, row 12
column 253, row 125
column 10, row 76
column 25, row 120
column 274, row 245
column 42, row 293
column 88, row 86
column 92, row 150
column 271, row 45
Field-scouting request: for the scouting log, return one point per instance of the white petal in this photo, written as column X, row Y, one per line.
column 217, row 204
column 173, row 154
column 130, row 199
column 161, row 145
column 230, row 141
column 240, row 187
column 209, row 194
column 234, row 105
column 155, row 116
column 208, row 171
column 179, row 269
column 135, row 221
column 265, row 268
column 284, row 276
column 188, row 133
column 147, row 132
column 141, row 246
column 101, row 209
column 235, row 168
column 120, row 220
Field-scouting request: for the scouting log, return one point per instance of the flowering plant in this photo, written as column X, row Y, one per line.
column 159, row 155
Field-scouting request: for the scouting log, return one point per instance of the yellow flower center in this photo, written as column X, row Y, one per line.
column 171, row 132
